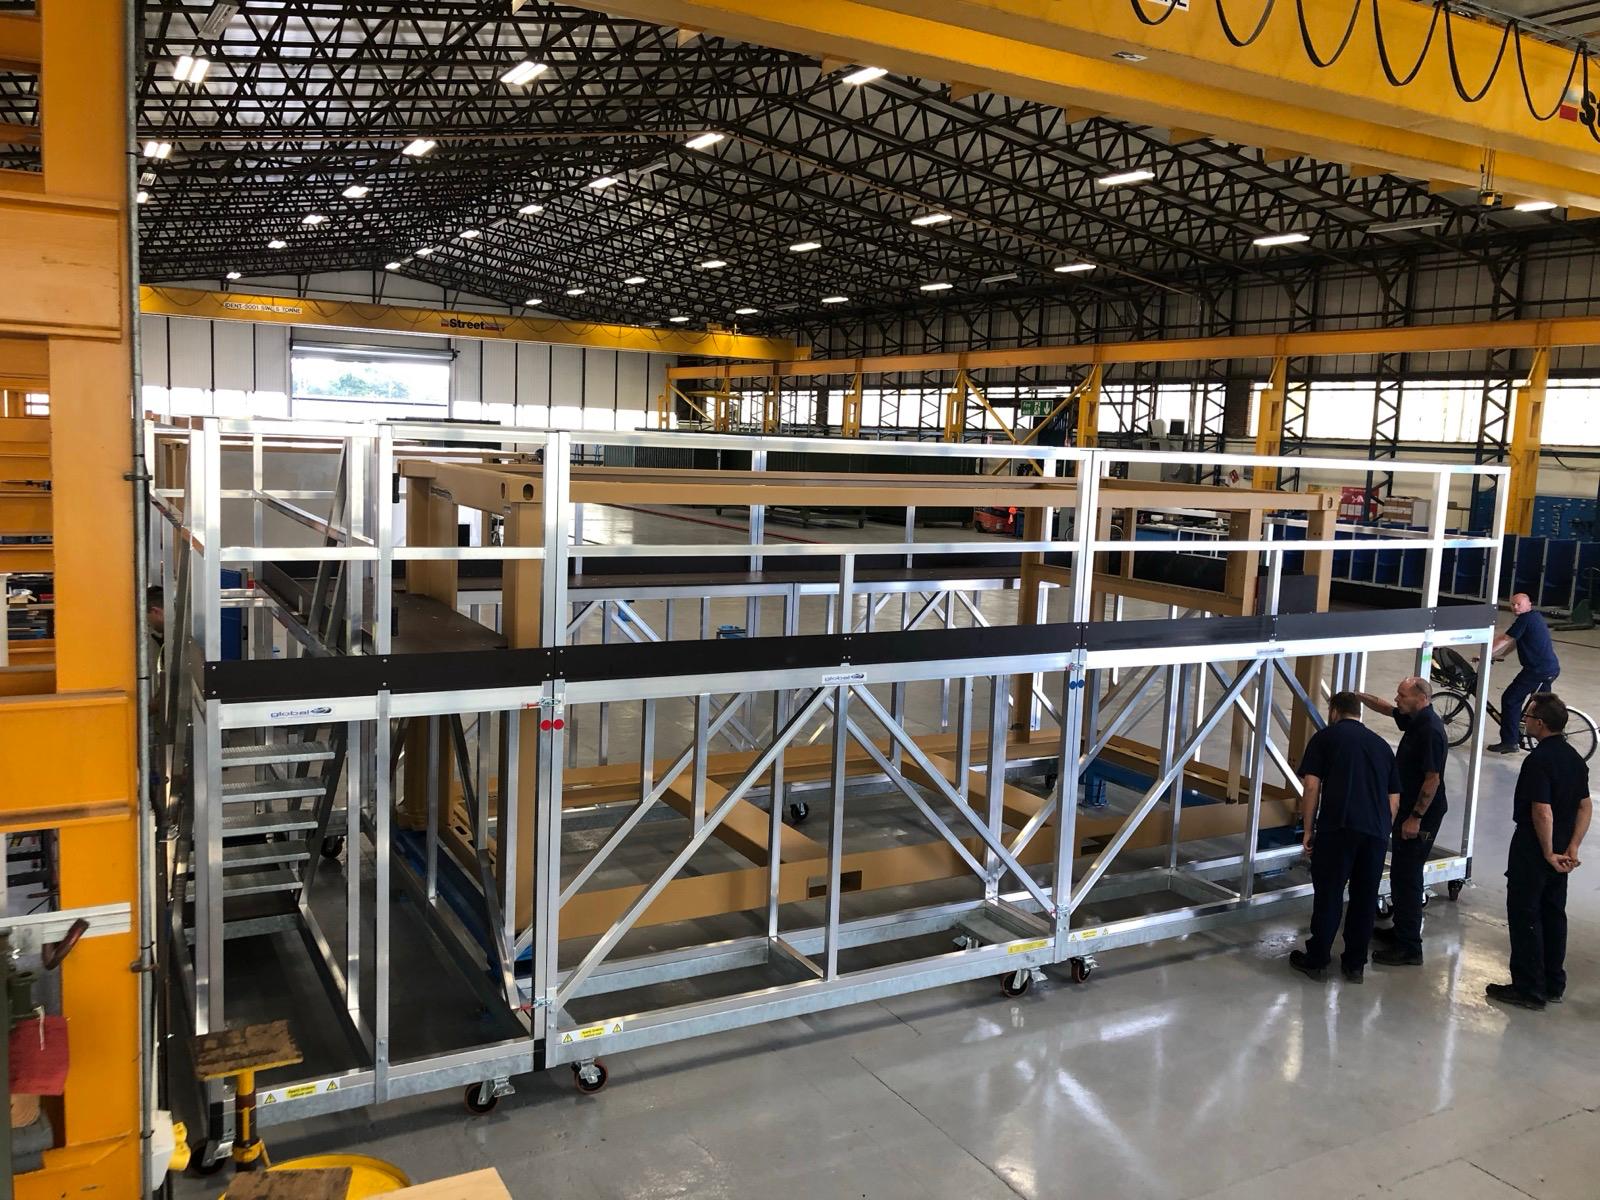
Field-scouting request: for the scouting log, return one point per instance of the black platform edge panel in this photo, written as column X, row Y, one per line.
column 287, row 679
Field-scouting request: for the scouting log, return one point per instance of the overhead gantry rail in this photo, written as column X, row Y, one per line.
column 1206, row 69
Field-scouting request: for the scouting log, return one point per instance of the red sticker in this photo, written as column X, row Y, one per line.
column 560, row 724
column 545, row 724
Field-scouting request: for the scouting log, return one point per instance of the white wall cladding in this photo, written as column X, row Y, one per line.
column 237, row 366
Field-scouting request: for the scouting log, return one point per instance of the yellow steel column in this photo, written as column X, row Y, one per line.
column 1269, row 424
column 1526, row 439
column 772, row 406
column 70, row 754
column 955, row 408
column 851, row 417
column 1089, row 407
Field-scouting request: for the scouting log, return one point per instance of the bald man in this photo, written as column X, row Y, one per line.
column 1420, row 761
column 1537, row 656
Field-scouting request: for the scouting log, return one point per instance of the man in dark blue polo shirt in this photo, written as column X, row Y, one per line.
column 1420, row 761
column 1352, row 795
column 1551, row 811
column 1537, row 655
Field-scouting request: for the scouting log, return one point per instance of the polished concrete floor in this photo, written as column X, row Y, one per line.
column 1196, row 1068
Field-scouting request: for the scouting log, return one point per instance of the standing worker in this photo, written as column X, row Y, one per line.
column 1551, row 811
column 1420, row 761
column 1537, row 655
column 1352, row 793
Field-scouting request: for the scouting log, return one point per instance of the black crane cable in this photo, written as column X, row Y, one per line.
column 1511, row 35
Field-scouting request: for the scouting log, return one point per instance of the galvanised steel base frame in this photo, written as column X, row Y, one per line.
column 848, row 685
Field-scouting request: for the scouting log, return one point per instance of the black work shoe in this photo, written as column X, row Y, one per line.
column 1385, row 937
column 1508, row 994
column 1397, row 956
column 1299, row 961
column 1354, row 974
column 1502, row 748
column 1556, row 999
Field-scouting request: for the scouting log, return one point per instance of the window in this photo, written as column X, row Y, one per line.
column 367, row 383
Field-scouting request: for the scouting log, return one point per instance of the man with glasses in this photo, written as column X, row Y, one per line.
column 1551, row 811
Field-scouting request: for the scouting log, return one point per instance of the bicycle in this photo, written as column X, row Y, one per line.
column 1455, row 686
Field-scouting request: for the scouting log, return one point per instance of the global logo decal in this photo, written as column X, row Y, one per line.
column 282, row 714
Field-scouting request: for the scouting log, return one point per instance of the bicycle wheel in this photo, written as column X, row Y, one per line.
column 1581, row 734
column 1455, row 711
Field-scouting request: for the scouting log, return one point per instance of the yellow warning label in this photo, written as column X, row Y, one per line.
column 590, row 1032
column 1085, row 934
column 1027, row 947
column 300, row 1091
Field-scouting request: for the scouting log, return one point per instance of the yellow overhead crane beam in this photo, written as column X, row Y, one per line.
column 1184, row 74
column 392, row 318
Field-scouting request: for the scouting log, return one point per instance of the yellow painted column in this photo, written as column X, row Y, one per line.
column 1527, row 432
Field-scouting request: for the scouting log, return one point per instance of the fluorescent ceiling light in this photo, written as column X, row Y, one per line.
column 603, row 182
column 936, row 287
column 1405, row 226
column 356, row 191
column 471, row 233
column 142, row 198
column 633, row 280
column 713, row 264
column 936, row 218
column 803, row 247
column 746, row 312
column 391, row 266
column 221, row 13
column 146, row 178
column 533, row 301
column 313, row 219
column 834, row 299
column 424, row 251
column 1073, row 268
column 419, row 147
column 677, row 320
column 1007, row 277
column 189, row 69
column 865, row 75
column 276, row 244
column 1122, row 177
column 1536, row 206
column 524, row 72
column 576, row 291
column 1282, row 239
column 157, row 149
column 234, row 275
column 701, row 140
column 531, row 210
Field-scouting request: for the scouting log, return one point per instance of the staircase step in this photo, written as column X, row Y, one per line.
column 265, row 753
column 263, row 854
column 242, row 790
column 259, row 823
column 253, row 883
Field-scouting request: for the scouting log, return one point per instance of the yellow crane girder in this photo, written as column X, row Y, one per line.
column 1183, row 73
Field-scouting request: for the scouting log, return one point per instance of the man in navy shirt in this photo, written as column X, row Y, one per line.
column 1537, row 655
column 1551, row 811
column 1420, row 761
column 1352, row 795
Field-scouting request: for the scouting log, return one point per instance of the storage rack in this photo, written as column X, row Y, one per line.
column 581, row 920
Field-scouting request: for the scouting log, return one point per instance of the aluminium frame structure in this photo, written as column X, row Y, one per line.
column 567, row 941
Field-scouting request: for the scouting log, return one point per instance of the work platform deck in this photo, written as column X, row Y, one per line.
column 615, row 828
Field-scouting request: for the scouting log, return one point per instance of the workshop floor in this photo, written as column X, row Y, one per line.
column 1198, row 1068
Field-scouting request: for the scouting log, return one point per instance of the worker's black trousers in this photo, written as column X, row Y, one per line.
column 1536, row 911
column 1340, row 858
column 1407, row 857
column 1524, row 684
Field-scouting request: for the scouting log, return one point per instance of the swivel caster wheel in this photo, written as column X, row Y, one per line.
column 1081, row 969
column 1385, row 907
column 1453, row 888
column 206, row 1159
column 798, row 812
column 1016, row 984
column 332, row 847
column 590, row 1076
column 480, row 1098
column 1425, row 895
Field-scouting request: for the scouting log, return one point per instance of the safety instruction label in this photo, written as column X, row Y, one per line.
column 299, row 1091
column 1027, row 947
column 590, row 1032
column 1083, row 935
column 839, row 677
